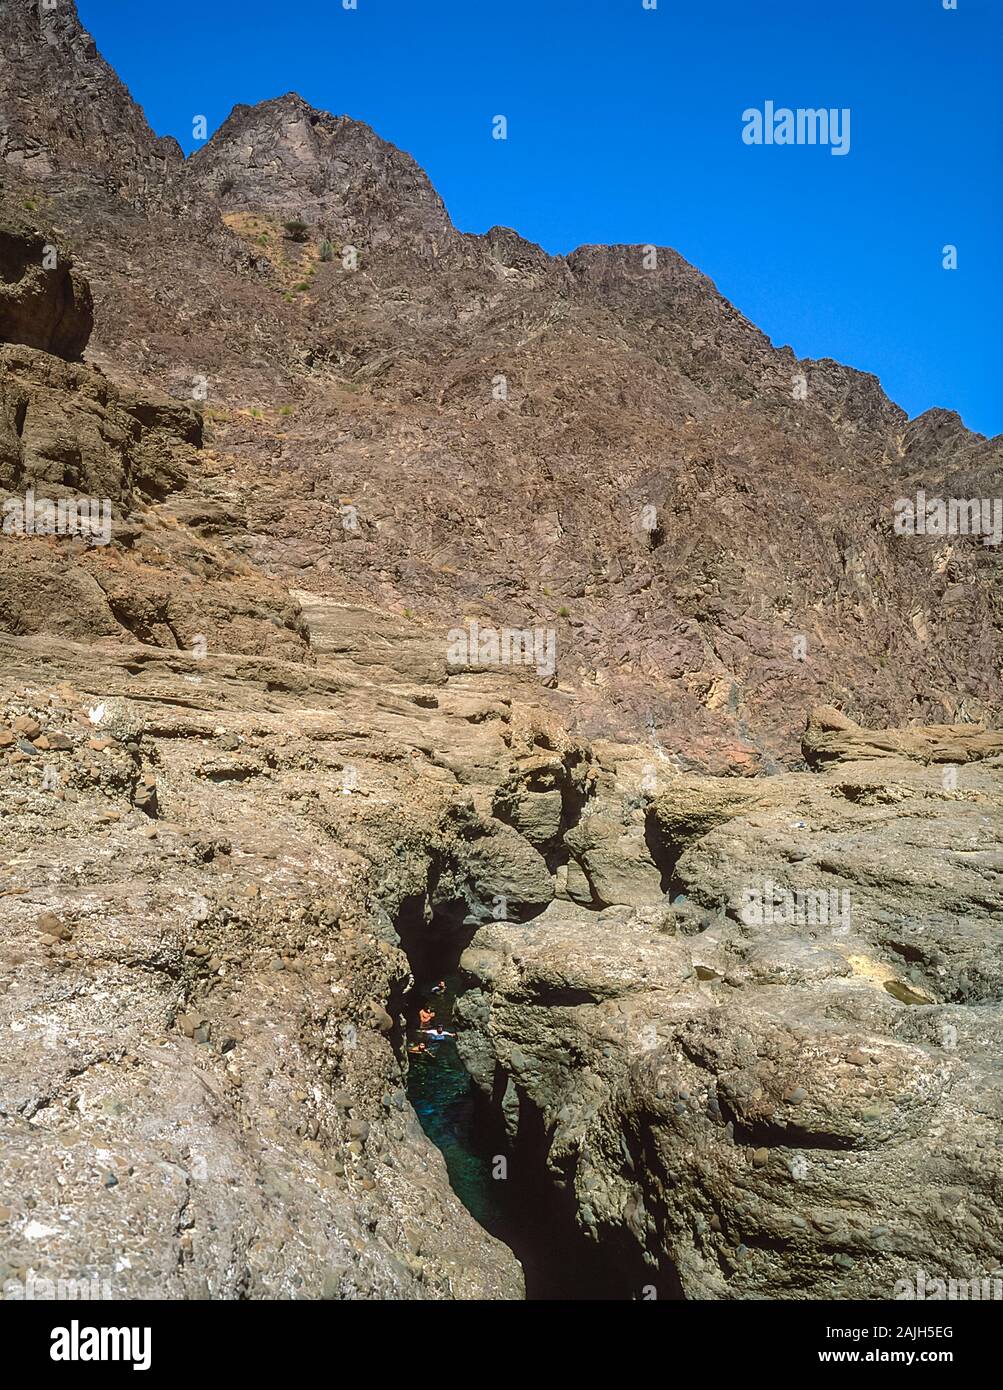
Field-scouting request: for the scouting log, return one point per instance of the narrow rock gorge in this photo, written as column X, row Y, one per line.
column 719, row 927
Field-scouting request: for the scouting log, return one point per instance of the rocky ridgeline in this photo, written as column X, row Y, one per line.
column 243, row 793
column 504, row 421
column 64, row 109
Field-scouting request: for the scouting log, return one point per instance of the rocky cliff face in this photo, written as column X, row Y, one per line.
column 44, row 302
column 63, row 111
column 783, row 1084
column 729, row 561
column 246, row 796
column 204, row 1096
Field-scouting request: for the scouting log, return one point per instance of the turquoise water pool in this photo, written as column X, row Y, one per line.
column 523, row 1215
column 445, row 1101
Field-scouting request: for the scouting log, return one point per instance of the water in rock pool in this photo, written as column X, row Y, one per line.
column 443, row 1096
column 523, row 1216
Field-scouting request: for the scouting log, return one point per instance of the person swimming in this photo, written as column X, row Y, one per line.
column 438, row 1033
column 425, row 1016
column 440, row 988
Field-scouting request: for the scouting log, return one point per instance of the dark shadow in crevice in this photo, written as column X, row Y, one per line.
column 663, row 855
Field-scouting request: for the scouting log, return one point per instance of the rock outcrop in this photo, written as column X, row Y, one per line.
column 44, row 302
column 118, row 566
column 779, row 1081
column 742, row 1029
column 203, row 1095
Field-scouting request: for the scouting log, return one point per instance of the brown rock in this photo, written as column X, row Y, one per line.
column 50, row 925
column 42, row 305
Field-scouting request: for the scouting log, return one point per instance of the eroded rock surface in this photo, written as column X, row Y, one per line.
column 743, row 1028
column 202, row 1084
column 801, row 1107
column 44, row 302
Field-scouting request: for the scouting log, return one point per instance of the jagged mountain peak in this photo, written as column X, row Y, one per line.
column 63, row 109
column 283, row 156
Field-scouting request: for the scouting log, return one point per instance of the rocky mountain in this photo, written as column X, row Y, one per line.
column 449, row 380
column 65, row 113
column 250, row 799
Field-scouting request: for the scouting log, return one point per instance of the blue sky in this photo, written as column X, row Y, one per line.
column 625, row 125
